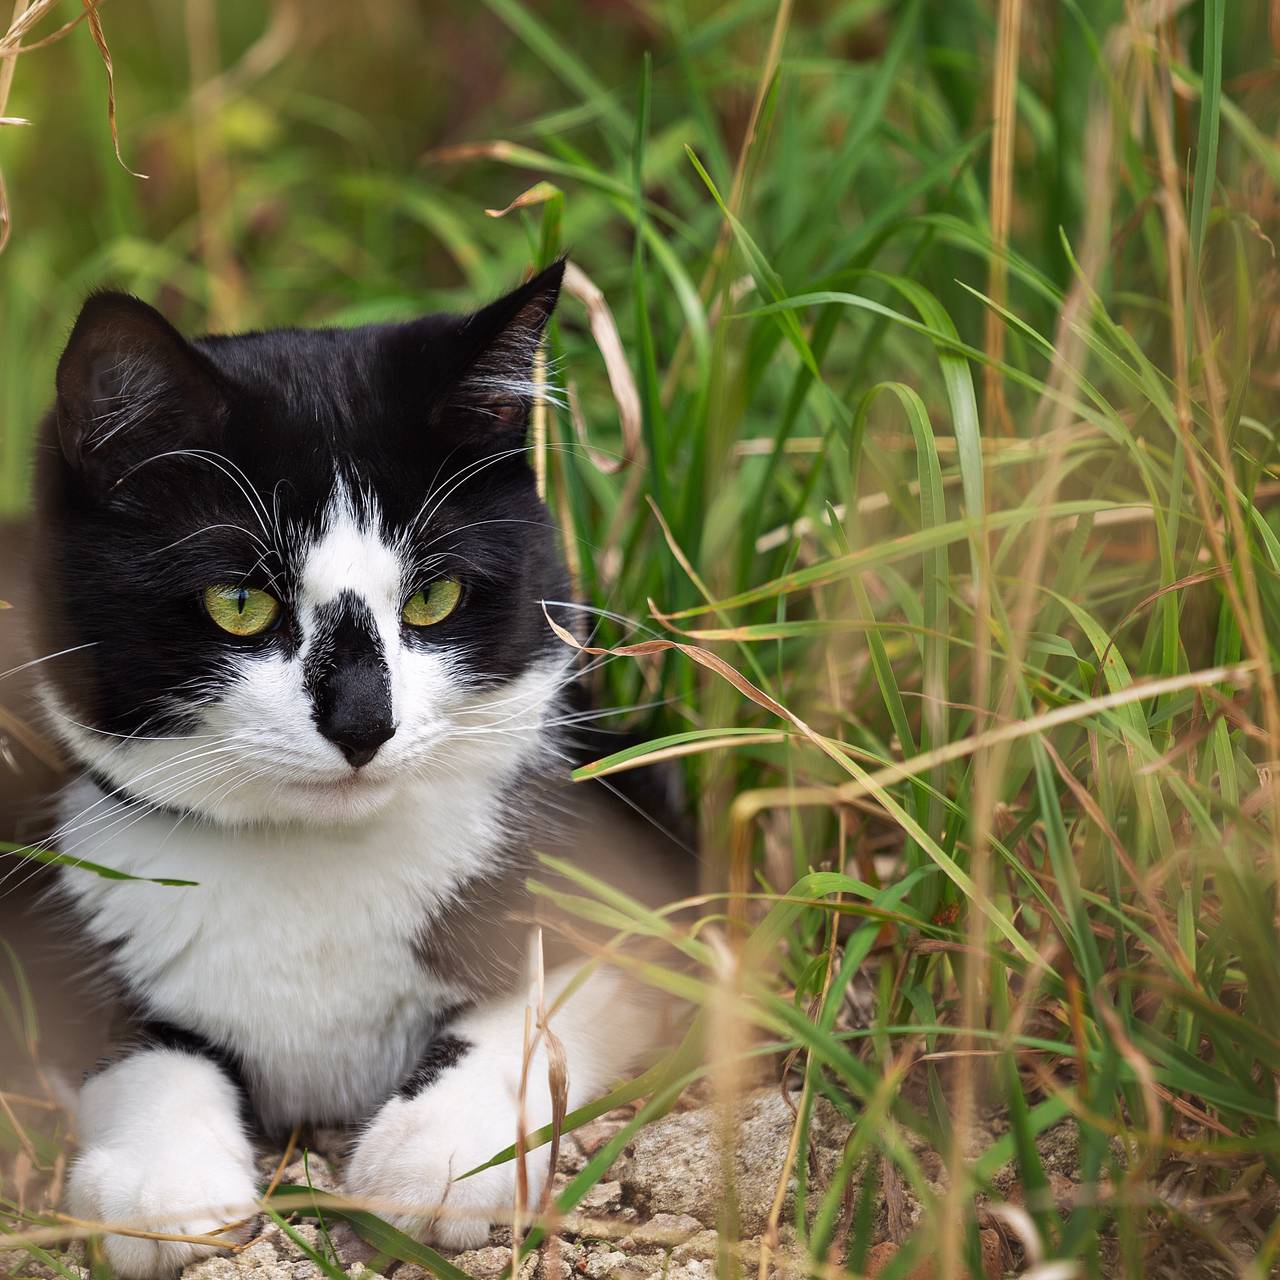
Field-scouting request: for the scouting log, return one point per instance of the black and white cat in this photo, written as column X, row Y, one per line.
column 295, row 580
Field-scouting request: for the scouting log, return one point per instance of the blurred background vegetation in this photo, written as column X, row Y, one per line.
column 952, row 328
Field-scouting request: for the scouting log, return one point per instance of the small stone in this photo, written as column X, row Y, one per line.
column 557, row 1259
column 604, row 1197
column 572, row 1157
column 666, row 1229
column 484, row 1263
column 639, row 1268
column 351, row 1248
column 673, row 1165
column 21, row 1263
column 692, row 1269
column 306, row 1168
column 258, row 1261
column 591, row 1136
column 703, row 1246
column 599, row 1264
column 283, row 1245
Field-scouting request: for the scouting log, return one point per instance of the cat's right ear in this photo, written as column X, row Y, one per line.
column 130, row 386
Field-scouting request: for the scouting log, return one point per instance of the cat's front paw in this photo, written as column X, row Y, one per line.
column 197, row 1196
column 407, row 1164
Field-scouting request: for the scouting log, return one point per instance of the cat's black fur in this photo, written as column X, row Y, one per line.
column 131, row 536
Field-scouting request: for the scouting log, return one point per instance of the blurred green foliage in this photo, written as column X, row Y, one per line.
column 798, row 258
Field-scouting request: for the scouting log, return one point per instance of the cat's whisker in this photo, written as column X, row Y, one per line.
column 622, row 619
column 128, row 737
column 48, row 657
column 122, row 792
column 133, row 810
column 230, row 469
column 210, row 528
column 113, row 818
column 619, row 794
column 480, row 524
column 460, row 478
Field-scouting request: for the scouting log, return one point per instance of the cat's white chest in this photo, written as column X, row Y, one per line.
column 296, row 947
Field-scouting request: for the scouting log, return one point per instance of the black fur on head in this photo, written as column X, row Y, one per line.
column 171, row 464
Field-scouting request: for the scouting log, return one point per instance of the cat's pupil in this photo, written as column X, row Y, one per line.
column 242, row 598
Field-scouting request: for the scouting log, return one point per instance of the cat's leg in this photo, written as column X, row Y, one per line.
column 162, row 1146
column 461, row 1107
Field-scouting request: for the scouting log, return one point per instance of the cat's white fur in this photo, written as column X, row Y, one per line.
column 162, row 1149
column 295, row 945
column 424, row 1144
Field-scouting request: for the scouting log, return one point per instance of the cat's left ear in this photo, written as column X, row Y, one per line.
column 493, row 349
column 130, row 387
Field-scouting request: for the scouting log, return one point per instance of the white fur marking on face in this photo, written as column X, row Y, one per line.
column 350, row 555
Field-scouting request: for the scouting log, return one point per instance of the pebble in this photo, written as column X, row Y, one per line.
column 666, row 1230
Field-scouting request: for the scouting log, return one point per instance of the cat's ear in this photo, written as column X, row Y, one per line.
column 129, row 387
column 492, row 365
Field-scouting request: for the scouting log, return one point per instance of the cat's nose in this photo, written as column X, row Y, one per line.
column 354, row 711
column 361, row 744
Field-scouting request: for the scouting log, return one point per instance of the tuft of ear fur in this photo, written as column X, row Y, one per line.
column 493, row 369
column 129, row 386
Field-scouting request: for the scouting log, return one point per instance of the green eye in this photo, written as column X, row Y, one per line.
column 241, row 611
column 432, row 604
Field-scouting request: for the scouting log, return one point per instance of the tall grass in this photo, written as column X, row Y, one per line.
column 949, row 549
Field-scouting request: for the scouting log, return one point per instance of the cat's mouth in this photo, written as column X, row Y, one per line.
column 337, row 798
column 354, row 784
column 354, row 780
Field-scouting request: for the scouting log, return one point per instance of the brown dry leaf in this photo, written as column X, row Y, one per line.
column 577, row 284
column 539, row 193
column 100, row 39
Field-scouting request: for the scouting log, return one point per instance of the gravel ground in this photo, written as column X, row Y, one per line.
column 657, row 1212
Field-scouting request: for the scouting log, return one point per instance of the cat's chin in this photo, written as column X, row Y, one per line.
column 318, row 801
column 348, row 798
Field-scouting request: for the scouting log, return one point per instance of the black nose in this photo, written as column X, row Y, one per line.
column 360, row 746
column 353, row 710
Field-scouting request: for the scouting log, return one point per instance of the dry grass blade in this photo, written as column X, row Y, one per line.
column 1241, row 673
column 1094, row 811
column 26, row 15
column 100, row 39
column 536, row 194
column 8, row 64
column 604, row 329
column 45, row 41
column 704, row 658
column 497, row 149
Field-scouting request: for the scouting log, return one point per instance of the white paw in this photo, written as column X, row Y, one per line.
column 196, row 1194
column 407, row 1164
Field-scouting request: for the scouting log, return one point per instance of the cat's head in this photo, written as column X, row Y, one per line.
column 291, row 574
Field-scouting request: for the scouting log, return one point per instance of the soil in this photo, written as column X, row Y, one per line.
column 659, row 1212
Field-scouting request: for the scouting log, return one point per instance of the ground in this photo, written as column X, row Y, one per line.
column 657, row 1211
